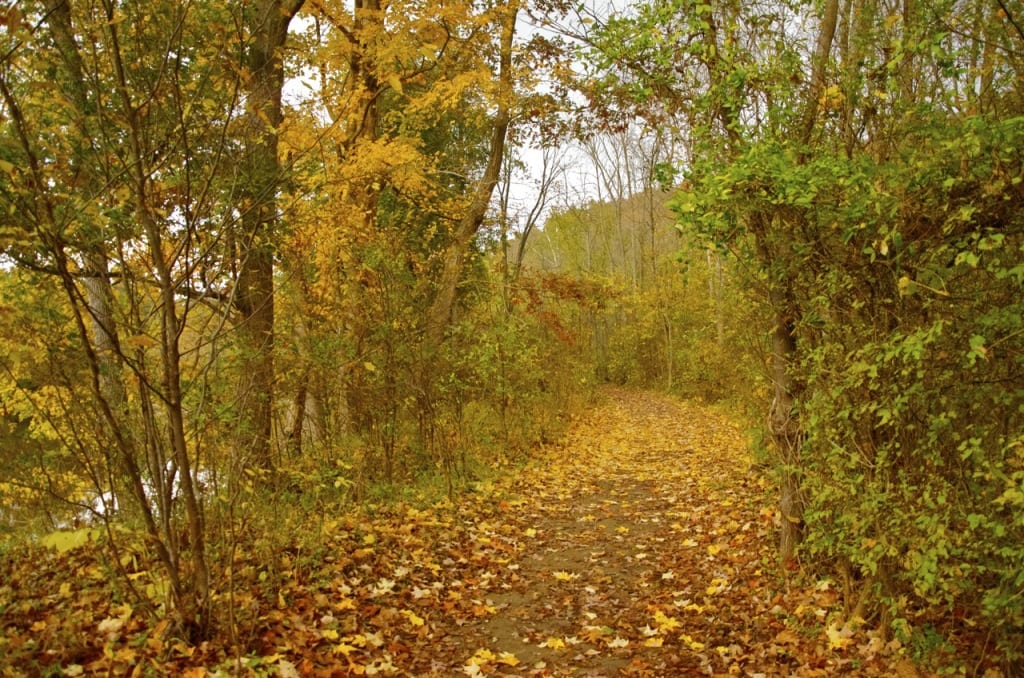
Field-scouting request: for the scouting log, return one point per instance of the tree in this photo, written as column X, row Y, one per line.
column 439, row 314
column 266, row 23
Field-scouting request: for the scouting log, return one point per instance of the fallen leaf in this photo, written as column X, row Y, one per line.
column 413, row 618
column 553, row 643
column 507, row 658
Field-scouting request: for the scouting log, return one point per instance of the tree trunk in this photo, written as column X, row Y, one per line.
column 267, row 22
column 440, row 312
column 784, row 426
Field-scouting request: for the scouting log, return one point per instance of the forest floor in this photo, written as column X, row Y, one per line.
column 640, row 545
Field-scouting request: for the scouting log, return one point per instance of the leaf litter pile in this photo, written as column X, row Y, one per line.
column 641, row 545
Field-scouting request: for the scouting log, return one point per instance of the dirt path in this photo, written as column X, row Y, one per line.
column 639, row 550
column 642, row 547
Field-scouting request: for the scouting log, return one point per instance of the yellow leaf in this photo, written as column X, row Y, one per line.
column 329, row 634
column 530, row 532
column 839, row 638
column 664, row 622
column 395, row 82
column 717, row 585
column 656, row 641
column 65, row 541
column 507, row 658
column 787, row 637
column 414, row 618
column 140, row 341
column 693, row 644
column 554, row 644
column 564, row 576
column 481, row 656
column 714, row 549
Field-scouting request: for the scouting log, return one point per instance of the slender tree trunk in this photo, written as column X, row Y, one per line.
column 98, row 293
column 267, row 21
column 440, row 311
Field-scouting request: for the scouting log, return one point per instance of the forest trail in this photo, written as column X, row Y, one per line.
column 643, row 546
column 640, row 545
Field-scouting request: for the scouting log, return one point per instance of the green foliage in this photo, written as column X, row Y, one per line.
column 907, row 273
column 667, row 314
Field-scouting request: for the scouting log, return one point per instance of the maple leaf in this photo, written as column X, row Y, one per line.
column 286, row 669
column 787, row 637
column 694, row 645
column 564, row 576
column 481, row 656
column 413, row 618
column 717, row 586
column 109, row 627
column 553, row 643
column 383, row 587
column 482, row 610
column 344, row 649
column 618, row 642
column 839, row 638
column 665, row 623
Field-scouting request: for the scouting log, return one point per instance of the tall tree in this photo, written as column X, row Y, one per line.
column 439, row 314
column 266, row 22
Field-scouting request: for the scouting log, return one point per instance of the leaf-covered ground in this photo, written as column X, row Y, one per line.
column 639, row 546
